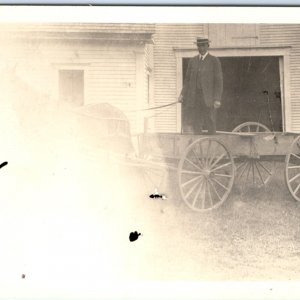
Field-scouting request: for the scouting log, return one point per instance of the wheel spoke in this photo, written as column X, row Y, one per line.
column 251, row 127
column 209, row 195
column 245, row 179
column 297, row 188
column 221, row 166
column 206, row 179
column 223, row 175
column 295, row 177
column 259, row 171
column 191, row 172
column 295, row 155
column 243, row 171
column 203, row 199
column 294, row 167
column 219, row 183
column 198, row 160
column 193, row 188
column 197, row 193
column 253, row 172
column 259, row 174
column 268, row 171
column 241, row 164
column 217, row 160
column 201, row 153
column 194, row 165
column 220, row 198
column 191, row 180
column 207, row 153
column 248, row 172
column 212, row 157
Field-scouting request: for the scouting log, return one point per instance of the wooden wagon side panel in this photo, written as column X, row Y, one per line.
column 173, row 145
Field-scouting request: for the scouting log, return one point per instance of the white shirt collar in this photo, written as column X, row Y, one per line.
column 200, row 56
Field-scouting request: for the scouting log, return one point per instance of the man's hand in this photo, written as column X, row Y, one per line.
column 180, row 98
column 217, row 104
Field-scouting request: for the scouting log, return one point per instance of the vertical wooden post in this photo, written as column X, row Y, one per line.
column 140, row 85
column 146, row 120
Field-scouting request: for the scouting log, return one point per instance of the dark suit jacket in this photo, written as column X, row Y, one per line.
column 211, row 81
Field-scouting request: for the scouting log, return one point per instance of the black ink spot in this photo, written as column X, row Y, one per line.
column 157, row 196
column 3, row 164
column 133, row 236
column 23, row 276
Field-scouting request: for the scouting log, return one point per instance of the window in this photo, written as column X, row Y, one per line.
column 71, row 86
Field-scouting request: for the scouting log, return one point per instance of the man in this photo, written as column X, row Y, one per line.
column 202, row 90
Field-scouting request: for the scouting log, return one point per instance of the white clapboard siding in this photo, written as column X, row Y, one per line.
column 287, row 35
column 109, row 72
column 230, row 35
column 166, row 37
column 113, row 58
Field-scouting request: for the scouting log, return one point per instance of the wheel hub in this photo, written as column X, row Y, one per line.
column 206, row 173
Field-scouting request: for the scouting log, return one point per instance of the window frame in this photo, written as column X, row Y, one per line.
column 71, row 67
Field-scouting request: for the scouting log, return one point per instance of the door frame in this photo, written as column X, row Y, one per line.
column 71, row 66
column 283, row 54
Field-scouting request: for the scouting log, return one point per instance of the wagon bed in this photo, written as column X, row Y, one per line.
column 207, row 166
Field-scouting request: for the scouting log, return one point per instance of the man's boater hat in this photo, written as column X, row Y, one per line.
column 202, row 40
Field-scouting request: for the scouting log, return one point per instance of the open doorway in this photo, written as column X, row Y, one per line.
column 251, row 92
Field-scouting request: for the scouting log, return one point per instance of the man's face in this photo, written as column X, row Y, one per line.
column 202, row 48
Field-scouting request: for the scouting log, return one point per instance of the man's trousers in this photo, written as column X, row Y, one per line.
column 198, row 115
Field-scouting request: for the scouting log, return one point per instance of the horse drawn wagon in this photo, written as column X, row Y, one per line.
column 207, row 166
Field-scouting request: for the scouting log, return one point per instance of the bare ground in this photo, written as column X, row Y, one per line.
column 254, row 235
column 71, row 223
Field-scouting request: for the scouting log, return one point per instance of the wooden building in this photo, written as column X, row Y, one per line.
column 261, row 68
column 135, row 66
column 79, row 64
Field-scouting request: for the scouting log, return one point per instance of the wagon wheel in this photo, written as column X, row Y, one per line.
column 154, row 179
column 292, row 169
column 251, row 127
column 253, row 169
column 206, row 174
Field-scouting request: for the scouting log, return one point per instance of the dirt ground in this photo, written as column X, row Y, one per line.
column 68, row 225
column 254, row 235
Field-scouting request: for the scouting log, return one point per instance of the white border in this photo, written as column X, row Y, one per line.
column 158, row 290
column 134, row 14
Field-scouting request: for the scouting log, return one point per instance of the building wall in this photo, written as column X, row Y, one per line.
column 233, row 35
column 287, row 35
column 113, row 72
column 167, row 37
column 171, row 37
column 149, row 87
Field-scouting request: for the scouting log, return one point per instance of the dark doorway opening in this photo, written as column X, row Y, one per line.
column 251, row 92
